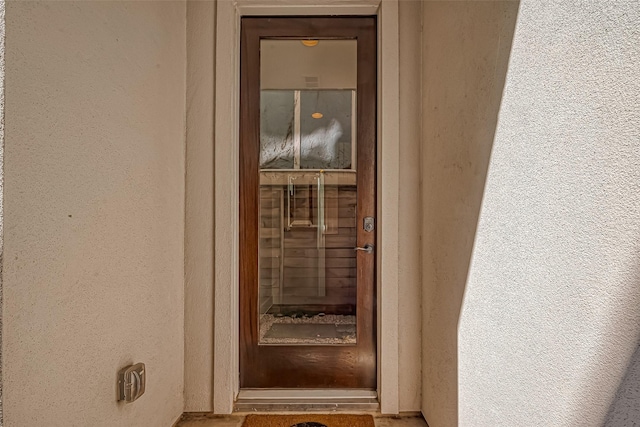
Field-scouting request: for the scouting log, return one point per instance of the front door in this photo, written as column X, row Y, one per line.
column 308, row 203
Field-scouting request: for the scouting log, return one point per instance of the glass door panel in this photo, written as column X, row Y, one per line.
column 307, row 262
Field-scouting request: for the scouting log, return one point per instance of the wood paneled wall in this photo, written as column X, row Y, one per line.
column 291, row 268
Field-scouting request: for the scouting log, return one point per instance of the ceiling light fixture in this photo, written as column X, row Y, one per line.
column 317, row 115
column 309, row 43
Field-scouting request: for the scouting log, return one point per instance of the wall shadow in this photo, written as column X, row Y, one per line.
column 466, row 49
column 625, row 408
column 612, row 362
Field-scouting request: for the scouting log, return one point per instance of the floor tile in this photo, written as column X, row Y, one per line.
column 400, row 422
column 209, row 421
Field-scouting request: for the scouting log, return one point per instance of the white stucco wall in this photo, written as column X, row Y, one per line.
column 94, row 211
column 551, row 310
column 466, row 48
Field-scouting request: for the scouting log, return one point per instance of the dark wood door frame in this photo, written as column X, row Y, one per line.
column 313, row 366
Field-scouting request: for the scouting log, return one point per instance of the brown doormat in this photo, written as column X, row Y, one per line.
column 309, row 420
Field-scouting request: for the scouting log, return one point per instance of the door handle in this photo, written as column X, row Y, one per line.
column 368, row 248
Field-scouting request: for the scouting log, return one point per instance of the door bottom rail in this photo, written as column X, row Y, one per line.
column 302, row 400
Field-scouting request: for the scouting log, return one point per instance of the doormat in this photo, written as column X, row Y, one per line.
column 309, row 420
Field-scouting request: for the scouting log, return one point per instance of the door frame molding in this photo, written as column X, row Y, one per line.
column 226, row 187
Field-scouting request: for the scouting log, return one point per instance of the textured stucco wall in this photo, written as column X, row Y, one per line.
column 465, row 55
column 94, row 211
column 551, row 311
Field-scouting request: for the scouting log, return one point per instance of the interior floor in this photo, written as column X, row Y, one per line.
column 305, row 329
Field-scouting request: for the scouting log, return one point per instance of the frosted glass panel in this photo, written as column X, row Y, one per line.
column 325, row 128
column 276, row 129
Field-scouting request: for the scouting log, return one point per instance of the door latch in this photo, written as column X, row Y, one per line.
column 368, row 248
